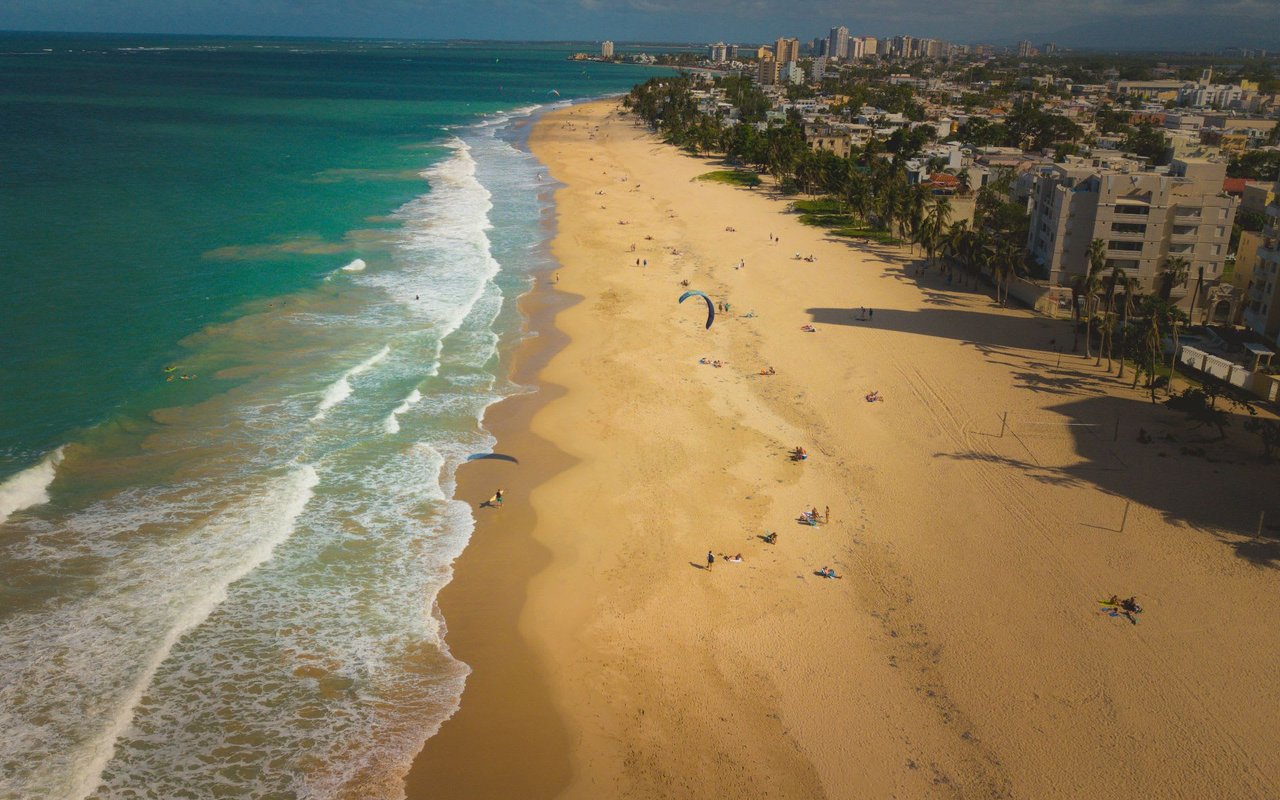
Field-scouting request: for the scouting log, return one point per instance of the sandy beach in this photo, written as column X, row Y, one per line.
column 978, row 513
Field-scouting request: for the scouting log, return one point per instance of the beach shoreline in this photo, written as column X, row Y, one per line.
column 960, row 654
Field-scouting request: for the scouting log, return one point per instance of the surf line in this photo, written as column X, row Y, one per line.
column 30, row 487
column 340, row 389
column 298, row 486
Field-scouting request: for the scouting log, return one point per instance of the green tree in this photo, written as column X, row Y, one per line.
column 1090, row 283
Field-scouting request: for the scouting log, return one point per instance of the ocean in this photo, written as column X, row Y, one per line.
column 255, row 297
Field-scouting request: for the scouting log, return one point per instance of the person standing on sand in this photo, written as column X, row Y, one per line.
column 711, row 560
column 826, row 517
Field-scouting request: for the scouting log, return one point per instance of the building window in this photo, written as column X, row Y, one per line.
column 1123, row 263
column 1134, row 210
column 1216, row 250
column 1221, row 231
column 1128, row 227
column 1188, row 212
column 1130, row 246
column 1184, row 230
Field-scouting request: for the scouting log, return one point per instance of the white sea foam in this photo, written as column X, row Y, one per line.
column 355, row 266
column 340, row 389
column 94, row 657
column 29, row 487
column 392, row 424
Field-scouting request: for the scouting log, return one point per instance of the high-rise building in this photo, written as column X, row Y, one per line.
column 732, row 52
column 1024, row 49
column 869, row 45
column 767, row 70
column 606, row 49
column 1144, row 217
column 718, row 53
column 818, row 47
column 857, row 48
column 786, row 50
column 838, row 42
column 902, row 46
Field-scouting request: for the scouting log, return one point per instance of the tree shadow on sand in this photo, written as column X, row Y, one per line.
column 1221, row 487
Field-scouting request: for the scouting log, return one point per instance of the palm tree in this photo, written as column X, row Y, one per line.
column 1175, row 273
column 956, row 242
column 917, row 202
column 1090, row 285
column 1152, row 340
column 1131, row 286
column 935, row 224
column 1112, row 281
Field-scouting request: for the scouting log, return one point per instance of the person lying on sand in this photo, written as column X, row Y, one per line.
column 730, row 229
column 828, row 572
column 874, row 397
column 771, row 537
column 768, row 371
column 737, row 559
column 799, row 454
column 808, row 329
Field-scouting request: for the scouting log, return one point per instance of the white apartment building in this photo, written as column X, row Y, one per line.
column 718, row 53
column 606, row 49
column 838, row 43
column 1144, row 216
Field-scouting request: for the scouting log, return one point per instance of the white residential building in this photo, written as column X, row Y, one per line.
column 1145, row 217
column 838, row 43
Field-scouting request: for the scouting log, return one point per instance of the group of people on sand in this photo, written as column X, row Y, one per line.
column 717, row 363
column 798, row 453
column 733, row 559
column 1127, row 608
column 812, row 517
column 874, row 396
column 808, row 329
column 810, row 258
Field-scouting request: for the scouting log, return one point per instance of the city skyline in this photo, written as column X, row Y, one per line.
column 1138, row 24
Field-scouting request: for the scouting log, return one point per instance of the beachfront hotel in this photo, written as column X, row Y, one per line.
column 1144, row 216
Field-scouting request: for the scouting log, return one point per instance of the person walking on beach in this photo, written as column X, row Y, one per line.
column 495, row 501
column 711, row 560
column 826, row 517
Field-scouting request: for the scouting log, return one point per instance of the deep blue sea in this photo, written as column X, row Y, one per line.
column 255, row 297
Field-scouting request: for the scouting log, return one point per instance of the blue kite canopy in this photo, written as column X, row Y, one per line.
column 492, row 457
column 711, row 307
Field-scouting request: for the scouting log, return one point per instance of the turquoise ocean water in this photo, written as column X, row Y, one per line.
column 254, row 297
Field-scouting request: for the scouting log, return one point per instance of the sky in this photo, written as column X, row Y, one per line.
column 1127, row 24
